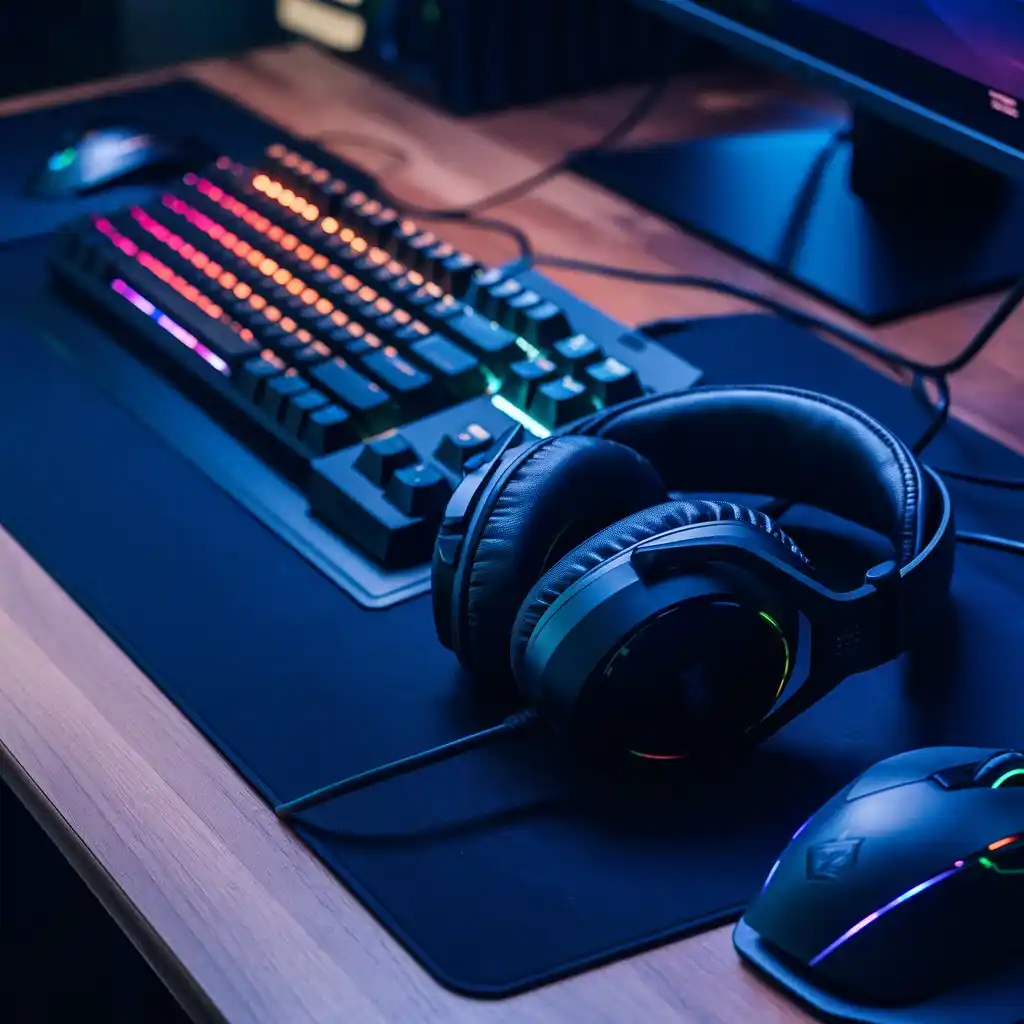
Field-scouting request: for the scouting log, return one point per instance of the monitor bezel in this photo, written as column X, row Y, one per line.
column 905, row 89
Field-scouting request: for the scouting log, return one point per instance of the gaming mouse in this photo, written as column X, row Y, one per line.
column 102, row 157
column 906, row 883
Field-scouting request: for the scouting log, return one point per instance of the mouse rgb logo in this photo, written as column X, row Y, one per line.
column 827, row 861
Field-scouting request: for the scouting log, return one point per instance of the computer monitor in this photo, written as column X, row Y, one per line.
column 912, row 203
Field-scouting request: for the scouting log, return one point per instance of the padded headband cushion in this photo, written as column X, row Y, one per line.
column 791, row 444
column 620, row 536
column 564, row 490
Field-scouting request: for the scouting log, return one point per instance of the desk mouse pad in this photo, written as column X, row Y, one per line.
column 505, row 868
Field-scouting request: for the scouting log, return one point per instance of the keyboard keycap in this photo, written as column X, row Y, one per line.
column 458, row 272
column 561, row 401
column 525, row 377
column 419, row 491
column 379, row 460
column 329, row 429
column 279, row 390
column 460, row 372
column 253, row 376
column 497, row 299
column 369, row 401
column 400, row 377
column 298, row 408
column 612, row 382
column 574, row 353
column 545, row 324
column 493, row 344
column 455, row 450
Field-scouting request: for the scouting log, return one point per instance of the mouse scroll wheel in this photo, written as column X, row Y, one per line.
column 1004, row 771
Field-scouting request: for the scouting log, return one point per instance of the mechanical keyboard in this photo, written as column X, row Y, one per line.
column 364, row 360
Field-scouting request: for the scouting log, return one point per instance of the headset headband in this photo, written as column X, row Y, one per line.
column 816, row 450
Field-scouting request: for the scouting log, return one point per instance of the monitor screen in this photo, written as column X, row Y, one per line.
column 980, row 39
column 951, row 70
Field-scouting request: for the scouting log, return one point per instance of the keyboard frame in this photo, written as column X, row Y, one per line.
column 92, row 328
column 154, row 399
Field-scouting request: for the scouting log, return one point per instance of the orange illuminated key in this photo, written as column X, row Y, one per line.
column 275, row 233
column 228, row 280
column 324, row 306
column 359, row 245
column 306, row 167
column 330, row 226
column 347, row 235
column 242, row 290
column 305, row 252
column 367, row 294
column 402, row 317
column 257, row 302
column 277, row 151
column 309, row 296
column 288, row 324
column 303, row 336
column 282, row 276
column 320, row 176
column 274, row 189
column 291, row 159
column 295, row 286
column 310, row 213
column 272, row 313
column 289, row 242
column 268, row 267
column 286, row 197
column 335, row 273
column 319, row 262
column 350, row 283
column 340, row 319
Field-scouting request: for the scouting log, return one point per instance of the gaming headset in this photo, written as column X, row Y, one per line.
column 634, row 622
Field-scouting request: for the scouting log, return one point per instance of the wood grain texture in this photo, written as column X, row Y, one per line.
column 236, row 915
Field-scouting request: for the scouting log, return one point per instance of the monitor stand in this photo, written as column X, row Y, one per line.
column 881, row 223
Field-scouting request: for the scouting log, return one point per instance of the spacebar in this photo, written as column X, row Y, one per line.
column 213, row 341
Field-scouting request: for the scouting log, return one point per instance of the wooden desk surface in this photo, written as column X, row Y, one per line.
column 242, row 922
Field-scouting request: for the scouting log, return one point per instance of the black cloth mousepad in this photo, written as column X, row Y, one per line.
column 508, row 867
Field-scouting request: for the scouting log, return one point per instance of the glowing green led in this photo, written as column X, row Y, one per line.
column 531, row 351
column 986, row 863
column 517, row 414
column 62, row 160
column 1007, row 775
column 785, row 646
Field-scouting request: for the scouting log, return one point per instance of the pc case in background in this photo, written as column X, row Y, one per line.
column 471, row 56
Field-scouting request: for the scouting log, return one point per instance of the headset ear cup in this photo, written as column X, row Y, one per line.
column 562, row 492
column 617, row 538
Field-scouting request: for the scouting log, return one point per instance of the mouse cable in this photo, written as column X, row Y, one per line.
column 986, row 540
column 637, row 113
column 941, row 407
column 985, row 334
column 795, row 229
column 520, row 722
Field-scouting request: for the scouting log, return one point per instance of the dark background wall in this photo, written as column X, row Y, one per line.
column 46, row 43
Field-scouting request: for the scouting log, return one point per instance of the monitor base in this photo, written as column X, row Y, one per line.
column 923, row 228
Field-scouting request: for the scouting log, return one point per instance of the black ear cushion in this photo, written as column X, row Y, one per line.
column 565, row 490
column 625, row 534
